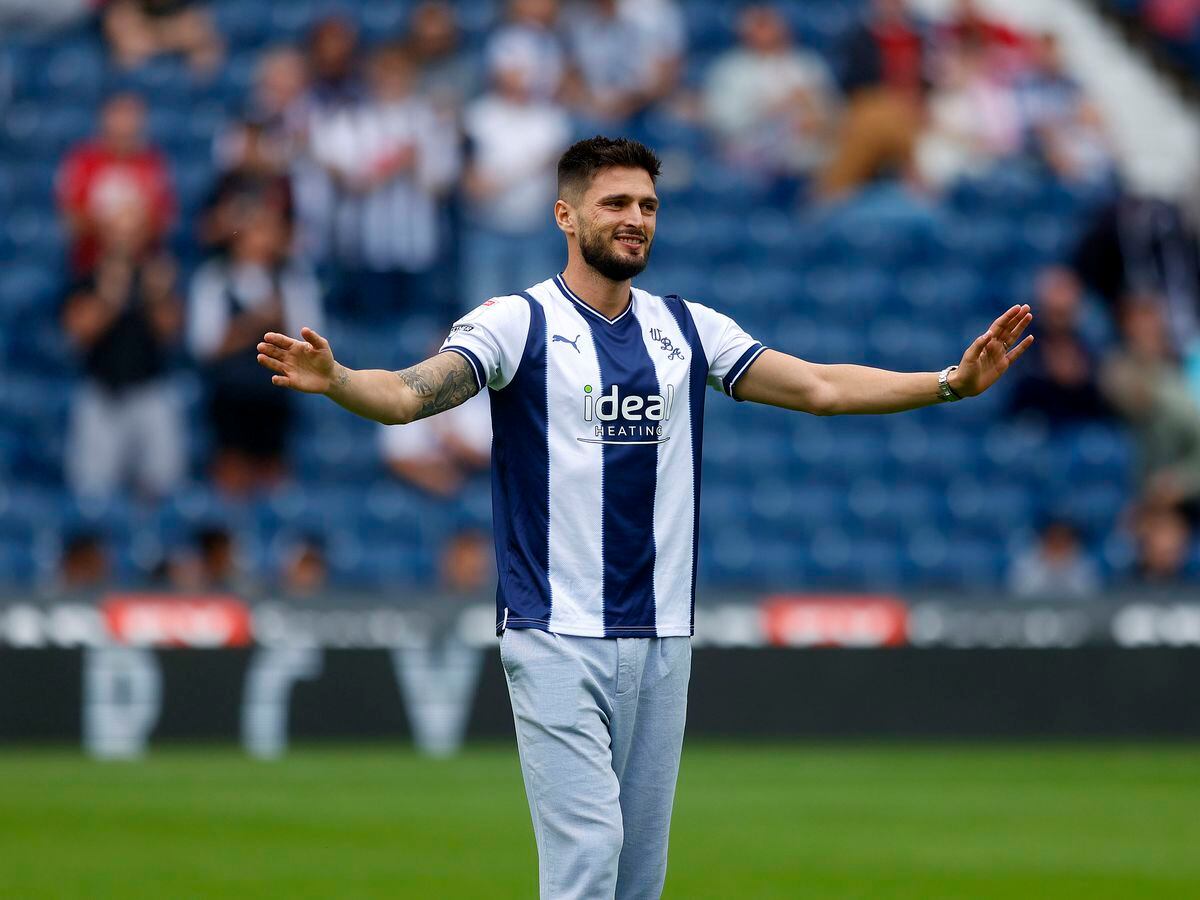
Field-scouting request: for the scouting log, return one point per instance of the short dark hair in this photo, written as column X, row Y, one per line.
column 584, row 159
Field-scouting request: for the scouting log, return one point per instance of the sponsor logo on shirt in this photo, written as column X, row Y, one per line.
column 632, row 419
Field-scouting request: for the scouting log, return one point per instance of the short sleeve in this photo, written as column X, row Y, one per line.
column 729, row 350
column 492, row 338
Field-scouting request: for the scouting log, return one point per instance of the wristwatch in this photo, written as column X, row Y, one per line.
column 944, row 390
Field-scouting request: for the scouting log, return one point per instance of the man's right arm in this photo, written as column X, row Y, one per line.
column 393, row 398
column 439, row 383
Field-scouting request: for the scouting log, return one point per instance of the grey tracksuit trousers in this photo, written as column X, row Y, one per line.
column 599, row 729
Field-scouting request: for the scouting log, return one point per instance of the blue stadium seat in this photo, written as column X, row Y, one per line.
column 384, row 21
column 34, row 233
column 17, row 562
column 979, row 240
column 291, row 21
column 848, row 293
column 76, row 70
column 710, row 27
column 673, row 274
column 243, row 24
column 199, row 506
column 25, row 289
column 32, row 181
column 943, row 289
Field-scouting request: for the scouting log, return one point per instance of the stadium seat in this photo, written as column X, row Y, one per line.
column 17, row 562
column 242, row 24
column 25, row 289
column 75, row 69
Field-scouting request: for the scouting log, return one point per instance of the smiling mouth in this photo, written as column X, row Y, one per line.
column 631, row 240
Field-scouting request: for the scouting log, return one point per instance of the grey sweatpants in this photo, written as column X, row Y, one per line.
column 136, row 435
column 599, row 730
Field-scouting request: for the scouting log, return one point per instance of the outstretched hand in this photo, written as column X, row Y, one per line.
column 303, row 365
column 990, row 354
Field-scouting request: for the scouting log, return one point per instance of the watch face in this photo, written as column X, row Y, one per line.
column 944, row 385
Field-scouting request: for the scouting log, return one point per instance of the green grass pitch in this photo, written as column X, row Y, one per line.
column 751, row 821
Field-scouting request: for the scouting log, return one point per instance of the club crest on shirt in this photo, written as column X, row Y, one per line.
column 666, row 343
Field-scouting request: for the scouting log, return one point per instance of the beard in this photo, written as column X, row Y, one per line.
column 596, row 248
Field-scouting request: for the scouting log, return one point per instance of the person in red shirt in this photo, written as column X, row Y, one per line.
column 1008, row 49
column 103, row 176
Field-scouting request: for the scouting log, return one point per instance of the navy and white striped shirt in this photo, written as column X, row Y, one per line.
column 597, row 427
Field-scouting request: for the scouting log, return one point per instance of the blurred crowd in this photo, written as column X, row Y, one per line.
column 415, row 176
column 1118, row 339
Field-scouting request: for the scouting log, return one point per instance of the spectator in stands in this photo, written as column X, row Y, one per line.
column 620, row 71
column 104, row 176
column 254, row 174
column 1144, row 381
column 1061, row 125
column 439, row 454
column 1007, row 49
column 126, row 425
column 663, row 31
column 234, row 299
column 449, row 75
column 529, row 40
column 279, row 108
column 883, row 76
column 334, row 93
column 466, row 564
column 1060, row 382
column 1056, row 567
column 212, row 562
column 515, row 140
column 770, row 102
column 1145, row 247
column 305, row 571
column 84, row 563
column 1163, row 544
column 393, row 161
column 333, row 54
column 138, row 30
column 277, row 101
column 974, row 120
column 217, row 557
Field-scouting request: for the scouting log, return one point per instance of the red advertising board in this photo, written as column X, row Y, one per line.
column 168, row 620
column 837, row 620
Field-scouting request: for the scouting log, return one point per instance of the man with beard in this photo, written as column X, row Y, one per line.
column 597, row 393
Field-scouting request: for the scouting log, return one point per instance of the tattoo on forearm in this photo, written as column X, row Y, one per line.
column 341, row 376
column 442, row 383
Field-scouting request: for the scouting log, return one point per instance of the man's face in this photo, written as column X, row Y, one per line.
column 121, row 124
column 763, row 30
column 615, row 222
column 433, row 28
column 333, row 46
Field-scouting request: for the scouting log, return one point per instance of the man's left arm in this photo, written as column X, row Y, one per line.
column 828, row 390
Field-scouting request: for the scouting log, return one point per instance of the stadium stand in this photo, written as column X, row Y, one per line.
column 943, row 497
